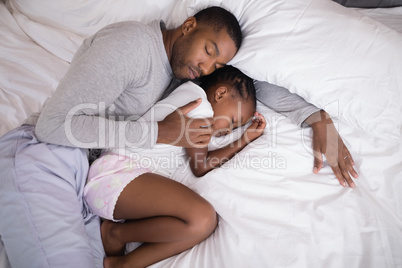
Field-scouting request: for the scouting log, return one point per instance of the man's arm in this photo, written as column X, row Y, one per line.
column 326, row 139
column 75, row 115
column 102, row 69
column 282, row 101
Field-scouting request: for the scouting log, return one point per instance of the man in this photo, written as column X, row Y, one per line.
column 115, row 76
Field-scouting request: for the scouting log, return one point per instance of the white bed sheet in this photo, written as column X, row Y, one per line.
column 281, row 215
column 29, row 73
column 273, row 211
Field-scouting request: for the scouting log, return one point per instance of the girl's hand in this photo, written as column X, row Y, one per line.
column 256, row 129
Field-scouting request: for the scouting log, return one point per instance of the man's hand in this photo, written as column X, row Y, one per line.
column 179, row 130
column 326, row 140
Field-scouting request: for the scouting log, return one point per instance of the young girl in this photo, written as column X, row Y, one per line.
column 141, row 204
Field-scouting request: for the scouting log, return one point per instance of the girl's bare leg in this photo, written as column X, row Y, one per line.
column 166, row 215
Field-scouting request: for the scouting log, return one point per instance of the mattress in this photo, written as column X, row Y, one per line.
column 273, row 211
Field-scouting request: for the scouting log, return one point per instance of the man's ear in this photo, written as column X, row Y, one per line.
column 188, row 25
column 220, row 92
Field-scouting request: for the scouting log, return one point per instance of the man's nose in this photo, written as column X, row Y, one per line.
column 207, row 67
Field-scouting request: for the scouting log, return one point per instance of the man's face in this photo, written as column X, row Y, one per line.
column 200, row 52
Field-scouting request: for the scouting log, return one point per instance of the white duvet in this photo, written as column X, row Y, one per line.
column 274, row 212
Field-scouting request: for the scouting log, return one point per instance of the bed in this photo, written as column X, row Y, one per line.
column 273, row 211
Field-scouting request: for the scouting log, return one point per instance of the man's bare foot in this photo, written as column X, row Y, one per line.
column 112, row 246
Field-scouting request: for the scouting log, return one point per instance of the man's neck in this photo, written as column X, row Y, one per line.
column 169, row 38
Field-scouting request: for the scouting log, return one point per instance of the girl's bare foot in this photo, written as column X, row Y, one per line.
column 112, row 262
column 112, row 246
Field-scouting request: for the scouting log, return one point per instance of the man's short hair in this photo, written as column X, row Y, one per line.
column 219, row 18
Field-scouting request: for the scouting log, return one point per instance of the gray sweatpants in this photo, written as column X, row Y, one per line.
column 44, row 221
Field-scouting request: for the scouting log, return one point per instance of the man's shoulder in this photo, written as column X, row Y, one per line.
column 128, row 30
column 128, row 38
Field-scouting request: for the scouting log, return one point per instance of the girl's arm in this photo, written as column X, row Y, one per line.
column 202, row 161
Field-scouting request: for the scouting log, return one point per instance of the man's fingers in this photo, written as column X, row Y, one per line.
column 353, row 172
column 345, row 174
column 200, row 141
column 317, row 163
column 338, row 174
column 195, row 123
column 348, row 179
column 350, row 168
column 341, row 171
column 190, row 106
column 349, row 163
column 346, row 164
column 347, row 156
column 198, row 132
column 203, row 139
column 317, row 158
column 179, row 130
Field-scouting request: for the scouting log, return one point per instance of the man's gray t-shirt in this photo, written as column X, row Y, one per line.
column 116, row 76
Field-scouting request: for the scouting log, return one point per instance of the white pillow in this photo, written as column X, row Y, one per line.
column 61, row 26
column 334, row 57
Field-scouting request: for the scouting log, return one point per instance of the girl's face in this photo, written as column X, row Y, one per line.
column 229, row 112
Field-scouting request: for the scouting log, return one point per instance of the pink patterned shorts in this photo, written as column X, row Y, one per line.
column 107, row 177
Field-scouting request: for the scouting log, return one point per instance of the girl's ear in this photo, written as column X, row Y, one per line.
column 220, row 92
column 188, row 25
